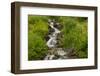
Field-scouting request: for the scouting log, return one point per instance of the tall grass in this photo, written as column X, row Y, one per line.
column 37, row 30
column 74, row 35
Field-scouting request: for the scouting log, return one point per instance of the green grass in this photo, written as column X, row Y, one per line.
column 37, row 30
column 74, row 34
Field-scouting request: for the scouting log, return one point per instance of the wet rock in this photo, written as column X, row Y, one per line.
column 47, row 38
column 53, row 43
column 58, row 26
column 51, row 31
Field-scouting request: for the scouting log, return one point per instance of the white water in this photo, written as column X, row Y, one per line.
column 51, row 43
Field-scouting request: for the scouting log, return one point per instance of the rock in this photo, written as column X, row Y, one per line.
column 47, row 38
column 53, row 40
column 61, row 52
column 58, row 25
column 51, row 30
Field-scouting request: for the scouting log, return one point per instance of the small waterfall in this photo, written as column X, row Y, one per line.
column 53, row 37
column 54, row 52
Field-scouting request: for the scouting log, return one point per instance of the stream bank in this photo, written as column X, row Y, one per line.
column 54, row 51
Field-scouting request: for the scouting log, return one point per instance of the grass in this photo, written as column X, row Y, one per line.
column 73, row 35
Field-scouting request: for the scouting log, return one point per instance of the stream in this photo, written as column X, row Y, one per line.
column 54, row 52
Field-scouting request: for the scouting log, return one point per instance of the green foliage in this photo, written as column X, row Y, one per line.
column 37, row 30
column 74, row 35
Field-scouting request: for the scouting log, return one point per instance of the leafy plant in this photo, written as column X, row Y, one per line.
column 73, row 35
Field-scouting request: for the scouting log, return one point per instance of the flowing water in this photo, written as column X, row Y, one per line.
column 53, row 37
column 54, row 52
